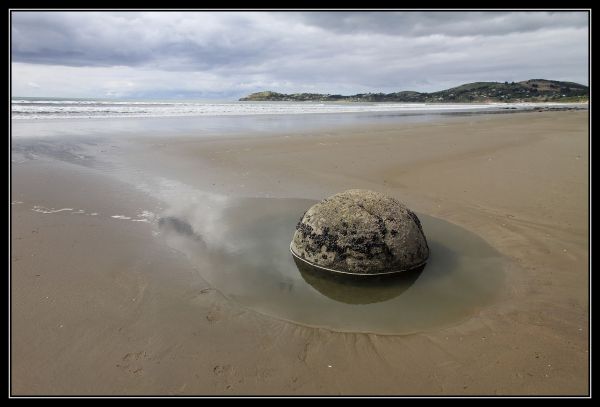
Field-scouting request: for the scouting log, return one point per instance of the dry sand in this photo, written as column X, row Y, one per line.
column 99, row 306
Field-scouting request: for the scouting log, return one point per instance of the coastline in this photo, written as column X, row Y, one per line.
column 503, row 177
column 51, row 108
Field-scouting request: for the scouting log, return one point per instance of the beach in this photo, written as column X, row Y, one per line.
column 105, row 302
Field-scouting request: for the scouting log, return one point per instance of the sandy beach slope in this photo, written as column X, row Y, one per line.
column 101, row 306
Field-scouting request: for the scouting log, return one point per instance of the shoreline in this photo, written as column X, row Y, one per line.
column 502, row 177
column 434, row 108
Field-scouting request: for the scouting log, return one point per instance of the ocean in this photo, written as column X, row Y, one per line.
column 57, row 108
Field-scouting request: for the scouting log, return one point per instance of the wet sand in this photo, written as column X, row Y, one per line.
column 101, row 305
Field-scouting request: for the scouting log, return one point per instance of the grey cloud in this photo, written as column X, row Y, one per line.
column 178, row 41
column 348, row 52
column 61, row 38
column 132, row 39
column 412, row 24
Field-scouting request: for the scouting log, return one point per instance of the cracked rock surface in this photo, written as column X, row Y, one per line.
column 363, row 232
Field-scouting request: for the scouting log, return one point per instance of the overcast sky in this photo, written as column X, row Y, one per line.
column 226, row 55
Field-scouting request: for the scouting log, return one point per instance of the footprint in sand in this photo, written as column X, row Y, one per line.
column 220, row 370
column 213, row 315
column 131, row 362
column 225, row 374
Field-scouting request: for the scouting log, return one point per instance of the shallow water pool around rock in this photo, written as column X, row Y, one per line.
column 241, row 248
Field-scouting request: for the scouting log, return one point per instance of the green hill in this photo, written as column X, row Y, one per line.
column 533, row 90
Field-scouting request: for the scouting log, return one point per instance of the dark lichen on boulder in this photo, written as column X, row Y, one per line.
column 360, row 232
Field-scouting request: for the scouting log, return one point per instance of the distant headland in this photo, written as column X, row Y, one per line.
column 533, row 90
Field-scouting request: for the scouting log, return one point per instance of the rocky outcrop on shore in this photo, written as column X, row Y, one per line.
column 361, row 232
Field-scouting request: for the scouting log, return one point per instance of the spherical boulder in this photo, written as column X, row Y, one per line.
column 360, row 232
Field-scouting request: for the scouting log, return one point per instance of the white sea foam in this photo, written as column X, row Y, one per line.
column 64, row 109
column 42, row 209
column 145, row 216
